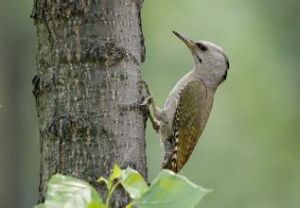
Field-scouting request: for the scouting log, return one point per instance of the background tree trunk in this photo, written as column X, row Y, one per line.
column 88, row 88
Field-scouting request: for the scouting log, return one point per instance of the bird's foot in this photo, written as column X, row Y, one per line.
column 145, row 86
column 145, row 108
column 155, row 126
column 148, row 100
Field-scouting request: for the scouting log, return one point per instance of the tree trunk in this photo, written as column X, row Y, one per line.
column 88, row 89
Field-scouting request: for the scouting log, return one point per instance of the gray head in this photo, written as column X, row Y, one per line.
column 210, row 60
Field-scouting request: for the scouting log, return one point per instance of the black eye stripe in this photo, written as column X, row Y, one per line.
column 201, row 46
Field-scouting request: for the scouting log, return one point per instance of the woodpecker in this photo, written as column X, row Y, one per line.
column 184, row 116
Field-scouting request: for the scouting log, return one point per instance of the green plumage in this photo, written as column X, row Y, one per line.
column 192, row 111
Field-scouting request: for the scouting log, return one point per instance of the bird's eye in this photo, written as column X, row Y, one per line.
column 202, row 47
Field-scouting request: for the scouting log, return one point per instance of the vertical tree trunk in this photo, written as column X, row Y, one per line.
column 88, row 88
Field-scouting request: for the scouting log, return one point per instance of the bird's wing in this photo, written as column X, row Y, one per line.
column 190, row 117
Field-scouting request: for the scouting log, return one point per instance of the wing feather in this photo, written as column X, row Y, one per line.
column 190, row 118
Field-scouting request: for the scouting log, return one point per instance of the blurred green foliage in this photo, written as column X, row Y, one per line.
column 167, row 190
column 249, row 152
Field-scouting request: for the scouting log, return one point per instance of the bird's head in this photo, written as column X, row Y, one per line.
column 210, row 59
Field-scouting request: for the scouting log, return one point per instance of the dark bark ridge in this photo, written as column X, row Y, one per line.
column 88, row 88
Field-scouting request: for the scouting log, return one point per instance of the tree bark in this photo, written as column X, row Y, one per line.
column 88, row 88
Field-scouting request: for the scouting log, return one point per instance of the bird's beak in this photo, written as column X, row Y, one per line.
column 189, row 42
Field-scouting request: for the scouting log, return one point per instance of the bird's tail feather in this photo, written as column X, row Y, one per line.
column 170, row 156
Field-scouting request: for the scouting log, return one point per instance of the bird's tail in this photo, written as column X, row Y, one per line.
column 170, row 156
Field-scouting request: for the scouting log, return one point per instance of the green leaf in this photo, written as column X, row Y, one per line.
column 171, row 190
column 131, row 205
column 68, row 192
column 94, row 204
column 116, row 173
column 133, row 183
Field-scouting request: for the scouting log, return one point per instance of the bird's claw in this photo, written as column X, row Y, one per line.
column 147, row 101
column 155, row 126
column 145, row 86
column 144, row 106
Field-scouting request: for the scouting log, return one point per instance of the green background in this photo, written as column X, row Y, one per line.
column 249, row 152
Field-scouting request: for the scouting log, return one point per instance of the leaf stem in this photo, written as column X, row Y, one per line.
column 110, row 192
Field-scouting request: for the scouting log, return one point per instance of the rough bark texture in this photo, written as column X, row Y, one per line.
column 88, row 88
